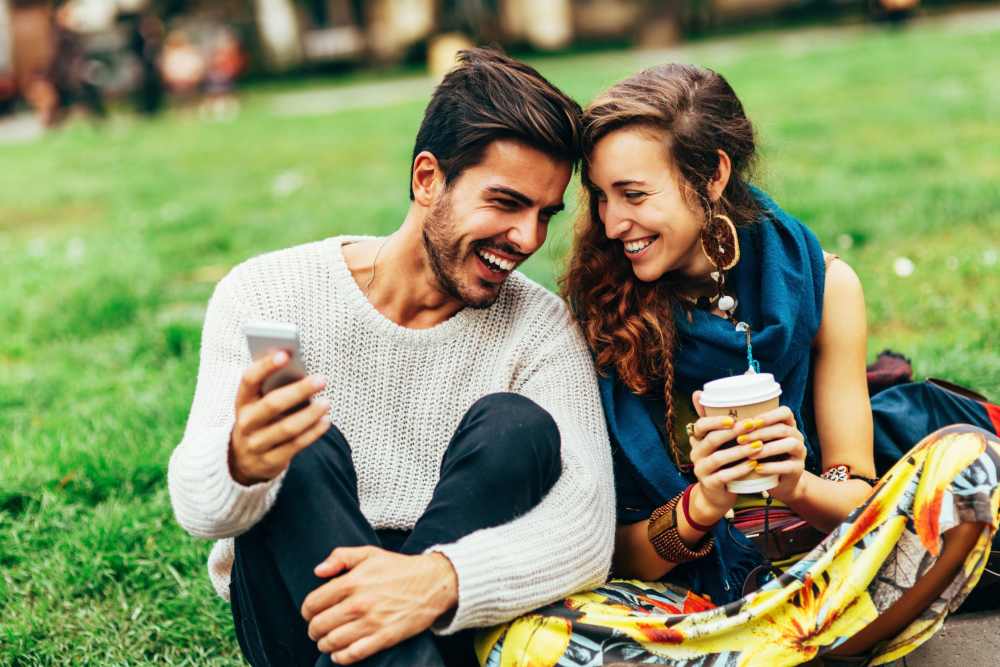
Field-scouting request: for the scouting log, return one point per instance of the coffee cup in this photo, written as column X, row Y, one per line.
column 743, row 397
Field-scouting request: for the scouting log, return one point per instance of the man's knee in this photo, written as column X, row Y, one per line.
column 324, row 461
column 519, row 431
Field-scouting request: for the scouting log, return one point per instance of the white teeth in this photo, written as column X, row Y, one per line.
column 497, row 262
column 637, row 246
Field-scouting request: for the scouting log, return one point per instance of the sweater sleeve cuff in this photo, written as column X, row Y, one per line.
column 477, row 587
column 207, row 500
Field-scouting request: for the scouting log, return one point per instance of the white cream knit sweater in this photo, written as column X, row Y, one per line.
column 398, row 395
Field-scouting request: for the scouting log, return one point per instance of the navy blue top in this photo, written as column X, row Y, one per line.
column 779, row 284
column 779, row 289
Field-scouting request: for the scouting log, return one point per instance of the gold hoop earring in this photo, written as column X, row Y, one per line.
column 720, row 243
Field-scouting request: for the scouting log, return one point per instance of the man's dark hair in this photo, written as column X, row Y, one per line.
column 491, row 96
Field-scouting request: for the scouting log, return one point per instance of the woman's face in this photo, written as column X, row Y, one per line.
column 641, row 204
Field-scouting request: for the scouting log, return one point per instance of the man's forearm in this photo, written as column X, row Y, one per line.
column 569, row 537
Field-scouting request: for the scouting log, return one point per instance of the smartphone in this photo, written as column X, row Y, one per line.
column 264, row 338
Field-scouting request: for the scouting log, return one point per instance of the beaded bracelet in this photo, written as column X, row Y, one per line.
column 841, row 473
column 666, row 541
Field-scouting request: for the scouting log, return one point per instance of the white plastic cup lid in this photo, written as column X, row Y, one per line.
column 740, row 390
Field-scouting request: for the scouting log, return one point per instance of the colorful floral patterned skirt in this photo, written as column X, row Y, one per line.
column 830, row 594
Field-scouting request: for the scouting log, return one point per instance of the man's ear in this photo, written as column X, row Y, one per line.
column 721, row 179
column 427, row 178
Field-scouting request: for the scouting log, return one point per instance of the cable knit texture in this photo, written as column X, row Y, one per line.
column 398, row 395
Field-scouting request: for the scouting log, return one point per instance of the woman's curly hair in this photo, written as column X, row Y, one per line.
column 628, row 323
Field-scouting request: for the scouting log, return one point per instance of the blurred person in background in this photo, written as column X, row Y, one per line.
column 183, row 66
column 32, row 50
column 445, row 464
column 226, row 61
column 145, row 42
column 43, row 97
column 77, row 76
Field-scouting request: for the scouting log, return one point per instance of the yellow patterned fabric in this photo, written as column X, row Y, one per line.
column 830, row 594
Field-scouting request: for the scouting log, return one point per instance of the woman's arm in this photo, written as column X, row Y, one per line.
column 840, row 395
column 709, row 500
column 635, row 557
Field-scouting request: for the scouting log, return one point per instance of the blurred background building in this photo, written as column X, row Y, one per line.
column 83, row 50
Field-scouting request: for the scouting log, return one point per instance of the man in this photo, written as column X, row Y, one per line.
column 466, row 476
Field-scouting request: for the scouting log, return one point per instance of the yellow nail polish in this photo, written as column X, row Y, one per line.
column 758, row 423
column 742, row 439
column 757, row 445
column 753, row 464
column 748, row 425
column 728, row 422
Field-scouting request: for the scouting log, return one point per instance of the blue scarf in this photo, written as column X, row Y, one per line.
column 779, row 288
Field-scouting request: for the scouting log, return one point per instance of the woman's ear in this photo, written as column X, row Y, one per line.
column 721, row 179
column 426, row 179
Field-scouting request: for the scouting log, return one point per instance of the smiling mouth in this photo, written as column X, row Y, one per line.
column 637, row 246
column 495, row 263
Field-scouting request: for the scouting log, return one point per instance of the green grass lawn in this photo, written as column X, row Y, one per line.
column 111, row 240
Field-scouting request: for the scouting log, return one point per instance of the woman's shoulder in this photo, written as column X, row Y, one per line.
column 841, row 281
column 843, row 303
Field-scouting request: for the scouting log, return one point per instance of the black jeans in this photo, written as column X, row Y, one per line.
column 501, row 461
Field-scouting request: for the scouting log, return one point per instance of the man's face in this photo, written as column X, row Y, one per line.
column 492, row 217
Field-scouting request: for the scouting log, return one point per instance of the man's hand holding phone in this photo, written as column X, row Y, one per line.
column 269, row 430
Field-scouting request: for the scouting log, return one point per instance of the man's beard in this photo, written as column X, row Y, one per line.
column 444, row 252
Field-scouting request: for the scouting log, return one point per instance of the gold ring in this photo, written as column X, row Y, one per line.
column 689, row 427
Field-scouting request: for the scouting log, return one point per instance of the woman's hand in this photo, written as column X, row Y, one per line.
column 709, row 456
column 781, row 438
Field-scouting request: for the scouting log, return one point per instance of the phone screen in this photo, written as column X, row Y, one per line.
column 265, row 338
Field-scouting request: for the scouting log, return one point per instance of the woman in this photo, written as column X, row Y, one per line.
column 676, row 259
